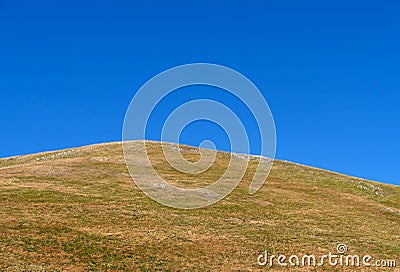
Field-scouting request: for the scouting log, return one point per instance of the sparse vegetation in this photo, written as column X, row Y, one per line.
column 79, row 210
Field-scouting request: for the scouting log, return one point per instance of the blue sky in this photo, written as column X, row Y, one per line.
column 328, row 69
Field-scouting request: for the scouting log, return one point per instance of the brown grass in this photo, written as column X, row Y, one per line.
column 78, row 210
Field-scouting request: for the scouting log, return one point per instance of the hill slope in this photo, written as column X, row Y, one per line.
column 78, row 209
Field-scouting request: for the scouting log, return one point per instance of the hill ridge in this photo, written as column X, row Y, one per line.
column 80, row 210
column 158, row 142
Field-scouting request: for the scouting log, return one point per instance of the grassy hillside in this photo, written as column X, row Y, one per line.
column 78, row 210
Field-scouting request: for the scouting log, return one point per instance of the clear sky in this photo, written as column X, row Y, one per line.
column 330, row 71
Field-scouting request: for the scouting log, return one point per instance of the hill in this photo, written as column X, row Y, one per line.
column 78, row 209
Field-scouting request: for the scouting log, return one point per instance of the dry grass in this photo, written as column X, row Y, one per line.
column 78, row 210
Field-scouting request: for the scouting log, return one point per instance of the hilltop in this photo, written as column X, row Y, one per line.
column 78, row 209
